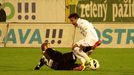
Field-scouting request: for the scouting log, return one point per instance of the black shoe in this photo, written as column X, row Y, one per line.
column 37, row 68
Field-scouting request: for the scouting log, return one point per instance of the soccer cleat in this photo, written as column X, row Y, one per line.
column 83, row 67
column 80, row 68
column 97, row 44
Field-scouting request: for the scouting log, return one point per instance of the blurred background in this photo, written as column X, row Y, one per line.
column 28, row 23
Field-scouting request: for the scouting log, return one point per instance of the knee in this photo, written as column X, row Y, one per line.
column 74, row 46
column 78, row 48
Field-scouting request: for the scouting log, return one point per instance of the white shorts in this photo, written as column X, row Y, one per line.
column 89, row 40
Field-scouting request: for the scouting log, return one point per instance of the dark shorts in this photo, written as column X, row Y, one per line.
column 86, row 49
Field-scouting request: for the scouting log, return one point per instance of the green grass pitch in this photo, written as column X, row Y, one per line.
column 21, row 61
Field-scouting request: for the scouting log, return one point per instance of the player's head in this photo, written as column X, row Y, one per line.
column 73, row 18
column 44, row 46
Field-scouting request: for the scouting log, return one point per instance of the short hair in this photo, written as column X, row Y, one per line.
column 42, row 46
column 74, row 15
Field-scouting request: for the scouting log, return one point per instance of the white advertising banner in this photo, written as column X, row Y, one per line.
column 3, row 32
column 62, row 35
column 34, row 10
column 33, row 35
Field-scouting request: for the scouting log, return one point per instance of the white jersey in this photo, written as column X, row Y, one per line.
column 87, row 30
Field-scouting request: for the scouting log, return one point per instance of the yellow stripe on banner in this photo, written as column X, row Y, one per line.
column 67, row 10
column 68, row 4
column 73, row 2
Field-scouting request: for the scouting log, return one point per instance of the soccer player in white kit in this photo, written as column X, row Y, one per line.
column 91, row 38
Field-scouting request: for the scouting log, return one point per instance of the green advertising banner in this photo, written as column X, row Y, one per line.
column 104, row 10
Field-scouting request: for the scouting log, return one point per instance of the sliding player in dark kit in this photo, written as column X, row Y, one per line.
column 58, row 61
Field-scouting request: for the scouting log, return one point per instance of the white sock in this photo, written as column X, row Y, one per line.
column 81, row 54
column 83, row 61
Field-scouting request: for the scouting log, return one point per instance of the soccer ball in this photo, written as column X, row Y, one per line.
column 94, row 64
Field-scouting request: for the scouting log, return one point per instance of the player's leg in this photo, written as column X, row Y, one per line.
column 78, row 67
column 81, row 55
column 83, row 61
column 88, row 50
column 78, row 51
